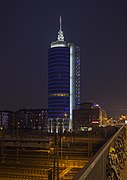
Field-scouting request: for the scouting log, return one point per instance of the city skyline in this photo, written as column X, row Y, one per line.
column 27, row 29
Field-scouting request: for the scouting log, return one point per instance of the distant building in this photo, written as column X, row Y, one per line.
column 29, row 119
column 4, row 119
column 63, row 80
column 87, row 115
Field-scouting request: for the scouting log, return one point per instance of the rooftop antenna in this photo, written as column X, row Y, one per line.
column 60, row 24
column 60, row 33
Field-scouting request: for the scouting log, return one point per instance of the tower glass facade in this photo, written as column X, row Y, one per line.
column 63, row 78
column 58, row 82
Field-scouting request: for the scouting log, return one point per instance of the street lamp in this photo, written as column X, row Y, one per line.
column 62, row 148
column 64, row 121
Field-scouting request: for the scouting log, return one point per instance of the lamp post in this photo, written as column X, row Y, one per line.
column 56, row 155
column 65, row 121
column 3, row 136
column 62, row 138
column 89, row 143
column 17, row 148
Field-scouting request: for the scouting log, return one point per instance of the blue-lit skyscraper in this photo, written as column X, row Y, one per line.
column 63, row 78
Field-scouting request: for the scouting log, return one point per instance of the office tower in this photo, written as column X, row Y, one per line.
column 63, row 78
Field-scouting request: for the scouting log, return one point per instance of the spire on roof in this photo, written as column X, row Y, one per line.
column 60, row 32
column 60, row 24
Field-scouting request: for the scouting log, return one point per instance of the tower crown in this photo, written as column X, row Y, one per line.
column 60, row 32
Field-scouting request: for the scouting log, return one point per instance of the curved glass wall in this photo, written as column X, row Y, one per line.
column 58, row 82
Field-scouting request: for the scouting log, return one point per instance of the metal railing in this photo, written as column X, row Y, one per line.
column 95, row 169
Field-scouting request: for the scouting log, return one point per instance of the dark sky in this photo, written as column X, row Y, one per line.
column 27, row 27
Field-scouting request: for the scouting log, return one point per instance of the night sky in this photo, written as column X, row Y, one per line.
column 27, row 27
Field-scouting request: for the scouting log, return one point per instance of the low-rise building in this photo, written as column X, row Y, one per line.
column 87, row 115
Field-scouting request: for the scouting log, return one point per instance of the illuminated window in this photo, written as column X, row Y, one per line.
column 60, row 95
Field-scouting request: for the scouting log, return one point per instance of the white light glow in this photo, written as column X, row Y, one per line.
column 70, row 122
column 72, row 82
column 58, row 44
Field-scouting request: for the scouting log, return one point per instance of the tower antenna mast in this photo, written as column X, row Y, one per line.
column 60, row 24
column 60, row 33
